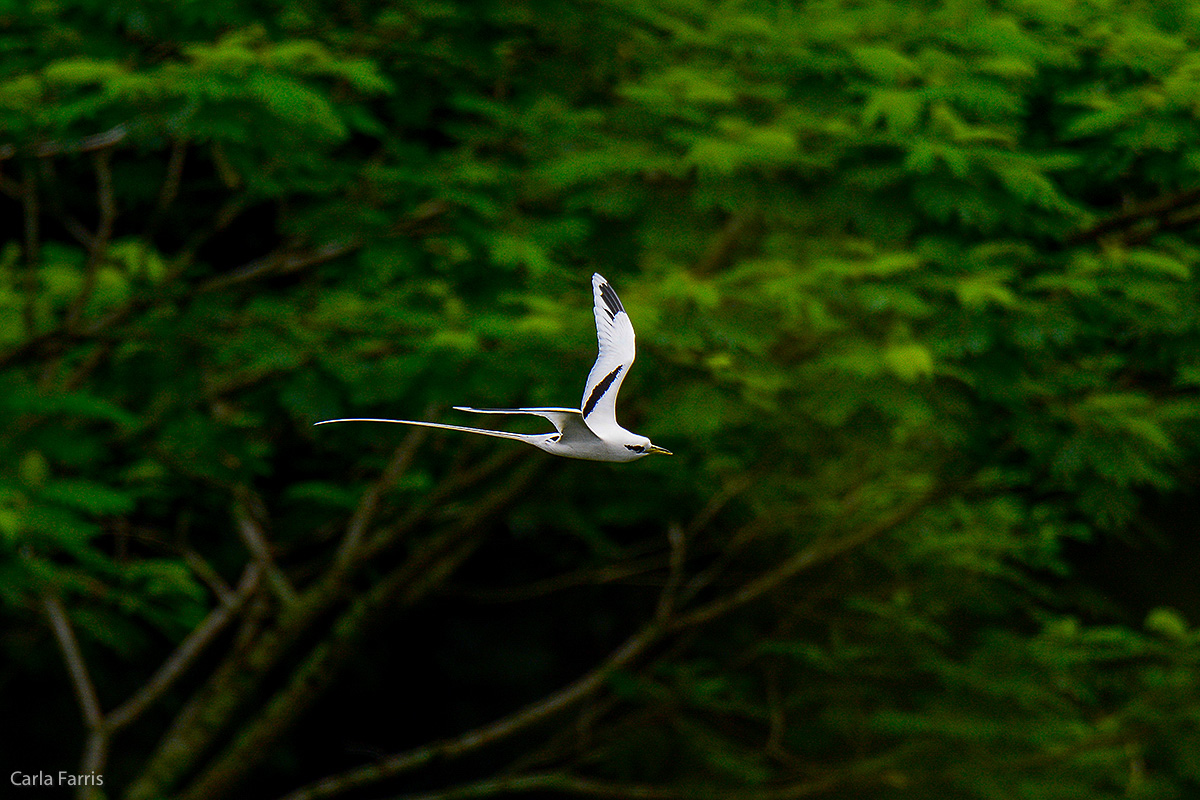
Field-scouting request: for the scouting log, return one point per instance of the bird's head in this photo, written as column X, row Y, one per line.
column 642, row 446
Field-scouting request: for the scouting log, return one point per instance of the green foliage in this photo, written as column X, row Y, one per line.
column 916, row 300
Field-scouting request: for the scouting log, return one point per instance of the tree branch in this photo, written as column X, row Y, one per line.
column 817, row 553
column 591, row 576
column 171, row 181
column 364, row 513
column 253, row 536
column 666, row 599
column 662, row 625
column 463, row 479
column 721, row 251
column 54, row 203
column 494, row 732
column 188, row 651
column 210, row 577
column 235, row 681
column 81, row 681
column 87, row 144
column 282, row 261
column 403, row 587
column 98, row 250
column 31, row 246
column 1155, row 212
column 563, row 783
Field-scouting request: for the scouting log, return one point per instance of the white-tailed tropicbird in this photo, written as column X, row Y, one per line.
column 590, row 432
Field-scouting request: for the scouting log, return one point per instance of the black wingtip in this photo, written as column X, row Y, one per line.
column 612, row 303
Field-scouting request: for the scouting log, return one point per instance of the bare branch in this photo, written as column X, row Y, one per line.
column 714, row 506
column 87, row 144
column 282, row 261
column 364, row 514
column 229, row 211
column 95, row 754
column 1154, row 214
column 232, row 685
column 98, row 251
column 740, row 226
column 54, row 202
column 564, row 698
column 666, row 600
column 817, row 553
column 388, row 536
column 81, row 681
column 425, row 570
column 735, row 544
column 592, row 576
column 187, row 652
column 173, row 178
column 584, row 687
column 31, row 249
column 106, row 200
column 561, row 784
column 493, row 786
column 776, row 718
column 255, row 540
column 212, row 579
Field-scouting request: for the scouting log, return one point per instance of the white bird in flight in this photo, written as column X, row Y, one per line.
column 590, row 432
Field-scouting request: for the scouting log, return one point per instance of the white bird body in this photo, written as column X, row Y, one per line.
column 591, row 431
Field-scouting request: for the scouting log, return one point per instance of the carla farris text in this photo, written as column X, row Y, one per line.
column 62, row 778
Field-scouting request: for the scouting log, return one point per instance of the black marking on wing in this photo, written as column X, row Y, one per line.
column 554, row 438
column 600, row 389
column 612, row 303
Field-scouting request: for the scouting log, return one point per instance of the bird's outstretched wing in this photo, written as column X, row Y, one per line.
column 559, row 417
column 529, row 438
column 614, row 332
column 572, row 431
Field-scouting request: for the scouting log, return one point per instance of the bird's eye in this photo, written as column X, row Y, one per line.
column 637, row 448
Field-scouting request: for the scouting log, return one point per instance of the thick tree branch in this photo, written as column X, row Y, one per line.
column 634, row 563
column 235, row 681
column 411, row 582
column 209, row 710
column 663, row 624
column 95, row 752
